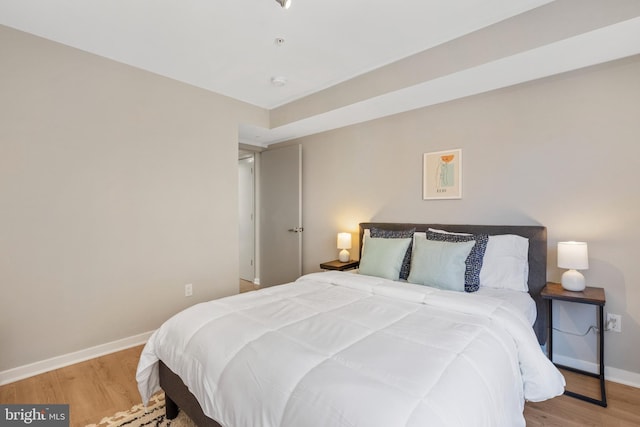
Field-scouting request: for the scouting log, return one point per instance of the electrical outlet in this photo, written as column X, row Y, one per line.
column 188, row 290
column 614, row 322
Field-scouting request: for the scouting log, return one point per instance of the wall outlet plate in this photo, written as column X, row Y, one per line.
column 614, row 322
column 188, row 290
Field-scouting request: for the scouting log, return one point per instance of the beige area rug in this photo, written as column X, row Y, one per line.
column 151, row 416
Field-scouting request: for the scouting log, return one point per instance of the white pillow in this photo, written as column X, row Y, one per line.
column 365, row 236
column 435, row 230
column 506, row 263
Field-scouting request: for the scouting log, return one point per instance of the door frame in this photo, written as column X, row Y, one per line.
column 247, row 218
column 245, row 150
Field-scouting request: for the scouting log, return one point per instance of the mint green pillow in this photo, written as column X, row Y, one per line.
column 383, row 257
column 439, row 264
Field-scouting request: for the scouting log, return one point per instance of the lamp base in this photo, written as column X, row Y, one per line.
column 573, row 280
column 343, row 256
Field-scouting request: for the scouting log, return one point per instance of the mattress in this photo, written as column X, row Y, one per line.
column 343, row 349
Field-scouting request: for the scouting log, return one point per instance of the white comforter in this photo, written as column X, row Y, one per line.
column 341, row 349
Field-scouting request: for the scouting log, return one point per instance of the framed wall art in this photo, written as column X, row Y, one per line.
column 442, row 175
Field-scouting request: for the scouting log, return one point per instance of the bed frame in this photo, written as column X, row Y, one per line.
column 178, row 396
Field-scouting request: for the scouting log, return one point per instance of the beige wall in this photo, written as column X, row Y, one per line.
column 562, row 152
column 114, row 183
column 117, row 187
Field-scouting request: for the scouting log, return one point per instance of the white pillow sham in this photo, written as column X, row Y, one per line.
column 506, row 263
column 435, row 230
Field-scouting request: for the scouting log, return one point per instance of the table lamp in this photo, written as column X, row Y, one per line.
column 344, row 243
column 574, row 256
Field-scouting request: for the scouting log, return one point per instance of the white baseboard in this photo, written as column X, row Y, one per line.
column 26, row 371
column 610, row 374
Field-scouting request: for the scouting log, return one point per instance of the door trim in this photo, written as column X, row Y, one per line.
column 300, row 226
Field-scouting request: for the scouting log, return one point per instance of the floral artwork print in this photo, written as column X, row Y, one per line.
column 445, row 172
column 442, row 175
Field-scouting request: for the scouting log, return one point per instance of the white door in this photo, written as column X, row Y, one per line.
column 246, row 184
column 280, row 215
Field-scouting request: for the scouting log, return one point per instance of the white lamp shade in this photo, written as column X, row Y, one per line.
column 344, row 243
column 344, row 240
column 573, row 255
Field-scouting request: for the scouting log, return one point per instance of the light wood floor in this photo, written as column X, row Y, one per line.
column 623, row 408
column 101, row 387
column 93, row 389
column 246, row 286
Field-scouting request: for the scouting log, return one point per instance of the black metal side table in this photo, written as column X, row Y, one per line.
column 590, row 295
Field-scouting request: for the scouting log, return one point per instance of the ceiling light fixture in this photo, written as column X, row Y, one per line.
column 284, row 3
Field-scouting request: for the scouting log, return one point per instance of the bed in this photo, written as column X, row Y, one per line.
column 345, row 349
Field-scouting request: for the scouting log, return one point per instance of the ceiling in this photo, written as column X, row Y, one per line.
column 232, row 47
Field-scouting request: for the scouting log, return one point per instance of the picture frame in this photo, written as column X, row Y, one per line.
column 442, row 175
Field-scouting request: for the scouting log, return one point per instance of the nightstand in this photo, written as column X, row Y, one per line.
column 340, row 266
column 590, row 295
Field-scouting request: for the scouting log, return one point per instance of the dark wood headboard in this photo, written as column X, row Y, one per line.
column 537, row 236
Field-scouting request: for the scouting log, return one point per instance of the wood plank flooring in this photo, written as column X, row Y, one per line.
column 100, row 387
column 93, row 389
column 623, row 408
column 246, row 286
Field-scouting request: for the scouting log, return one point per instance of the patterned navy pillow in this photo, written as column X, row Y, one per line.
column 474, row 260
column 397, row 234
